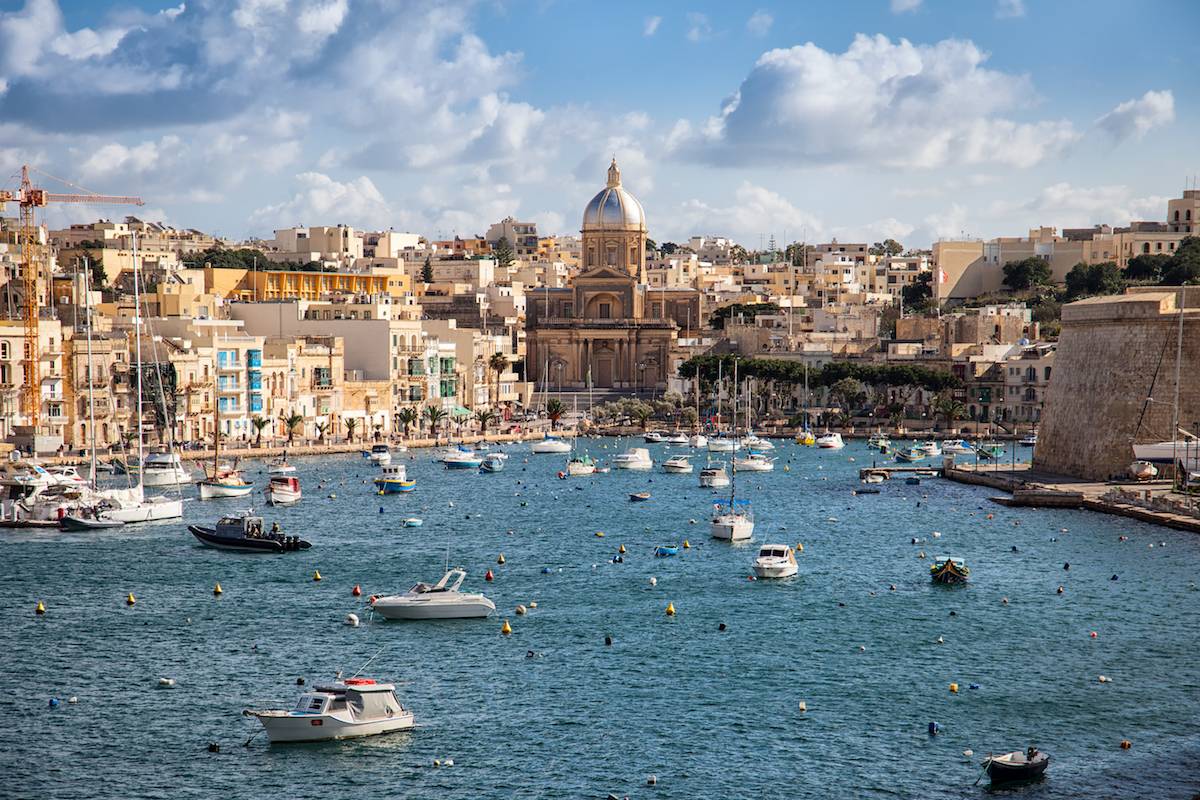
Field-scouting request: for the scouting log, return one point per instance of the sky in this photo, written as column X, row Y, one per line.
column 911, row 119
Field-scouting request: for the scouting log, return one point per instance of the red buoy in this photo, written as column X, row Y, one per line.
column 488, row 576
column 356, row 591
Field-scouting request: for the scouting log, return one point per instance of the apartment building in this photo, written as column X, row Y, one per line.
column 521, row 236
column 336, row 246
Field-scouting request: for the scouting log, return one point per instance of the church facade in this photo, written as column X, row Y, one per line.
column 608, row 328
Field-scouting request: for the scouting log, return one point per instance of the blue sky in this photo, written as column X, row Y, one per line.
column 907, row 118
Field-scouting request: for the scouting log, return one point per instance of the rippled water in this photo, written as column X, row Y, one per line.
column 711, row 714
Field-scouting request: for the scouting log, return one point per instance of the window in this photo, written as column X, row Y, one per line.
column 1046, row 372
column 4, row 350
column 605, row 311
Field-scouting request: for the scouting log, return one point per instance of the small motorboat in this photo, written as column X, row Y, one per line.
column 723, row 444
column 957, row 446
column 830, row 441
column 875, row 477
column 1028, row 440
column 755, row 462
column 930, row 449
column 732, row 521
column 1017, row 766
column 1143, row 470
column 164, row 469
column 394, row 480
column 462, row 458
column 283, row 490
column 341, row 710
column 280, row 467
column 634, row 458
column 912, row 481
column 948, row 569
column 639, row 497
column 443, row 600
column 989, row 450
column 580, row 464
column 714, row 476
column 551, row 445
column 878, row 440
column 867, row 490
column 381, row 454
column 678, row 465
column 775, row 561
column 492, row 462
column 757, row 444
column 88, row 520
column 413, row 522
column 652, row 437
column 675, row 437
column 244, row 533
column 698, row 441
column 666, row 551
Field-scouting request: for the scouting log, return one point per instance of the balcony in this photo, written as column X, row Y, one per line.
column 230, row 366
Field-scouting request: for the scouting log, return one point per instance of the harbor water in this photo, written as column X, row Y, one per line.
column 551, row 711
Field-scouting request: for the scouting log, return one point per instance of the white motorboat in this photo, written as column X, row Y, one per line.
column 678, row 465
column 165, row 469
column 733, row 521
column 714, row 476
column 65, row 475
column 442, row 600
column 380, row 454
column 957, row 447
column 698, row 441
column 634, row 458
column 1029, row 439
column 755, row 462
column 875, row 477
column 676, row 437
column 722, row 444
column 283, row 490
column 341, row 710
column 652, row 437
column 462, row 458
column 280, row 467
column 1143, row 470
column 878, row 440
column 930, row 448
column 551, row 445
column 830, row 441
column 775, row 561
column 758, row 444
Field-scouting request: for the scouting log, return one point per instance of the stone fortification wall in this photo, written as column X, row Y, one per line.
column 1114, row 352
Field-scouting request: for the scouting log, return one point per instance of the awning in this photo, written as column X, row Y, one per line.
column 459, row 411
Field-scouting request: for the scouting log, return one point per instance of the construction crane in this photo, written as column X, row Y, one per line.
column 29, row 199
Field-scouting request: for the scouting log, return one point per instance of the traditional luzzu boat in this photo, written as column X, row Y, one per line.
column 283, row 490
column 911, row 454
column 948, row 569
column 394, row 480
column 342, row 710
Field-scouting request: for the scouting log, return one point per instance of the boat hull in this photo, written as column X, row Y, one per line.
column 732, row 528
column 678, row 469
column 1000, row 771
column 388, row 486
column 283, row 497
column 73, row 524
column 215, row 491
column 149, row 511
column 776, row 570
column 420, row 609
column 552, row 446
column 578, row 469
column 208, row 536
column 285, row 727
column 155, row 477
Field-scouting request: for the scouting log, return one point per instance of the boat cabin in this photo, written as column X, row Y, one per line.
column 240, row 525
column 775, row 551
column 394, row 472
column 362, row 697
column 379, row 449
column 285, row 482
column 449, row 583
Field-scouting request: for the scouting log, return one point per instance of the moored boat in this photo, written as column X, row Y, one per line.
column 492, row 462
column 580, row 464
column 732, row 521
column 989, row 450
column 1016, row 766
column 698, row 441
column 634, row 458
column 930, row 448
column 341, row 710
column 755, row 462
column 678, row 465
column 666, row 551
column 88, row 520
column 283, row 490
column 652, row 437
column 244, row 533
column 775, row 561
column 394, row 480
column 714, row 476
column 639, row 497
column 462, row 458
column 381, row 454
column 1029, row 439
column 806, row 438
column 911, row 454
column 280, row 467
column 830, row 441
column 442, row 600
column 957, row 446
column 551, row 445
column 948, row 569
column 723, row 444
column 676, row 437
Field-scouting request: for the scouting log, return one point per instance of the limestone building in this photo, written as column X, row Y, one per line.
column 608, row 324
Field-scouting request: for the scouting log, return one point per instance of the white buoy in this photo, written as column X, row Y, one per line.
column 651, row 780
column 937, row 534
column 352, row 620
column 653, row 581
column 940, row 640
column 968, row 752
column 803, row 706
column 449, row 762
column 1105, row 679
column 72, row 700
column 166, row 683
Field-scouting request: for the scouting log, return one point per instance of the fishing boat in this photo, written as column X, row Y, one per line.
column 676, row 437
column 413, row 522
column 911, row 454
column 243, row 533
column 775, row 561
column 957, row 446
column 930, row 449
column 1016, row 766
column 714, row 476
column 1029, row 439
column 280, row 466
column 666, row 551
column 639, row 497
column 830, row 441
column 283, row 490
column 948, row 569
column 551, row 445
column 342, row 710
column 989, row 450
column 462, row 458
column 394, row 480
column 1143, row 471
column 755, row 462
column 698, row 441
column 878, row 440
column 225, row 481
column 492, row 462
column 442, row 600
column 679, row 465
column 579, row 465
column 380, row 454
column 635, row 458
column 652, row 437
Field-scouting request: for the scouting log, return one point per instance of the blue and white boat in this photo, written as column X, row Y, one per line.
column 493, row 462
column 394, row 480
column 462, row 458
column 911, row 454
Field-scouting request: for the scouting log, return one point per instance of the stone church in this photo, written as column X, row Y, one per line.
column 608, row 326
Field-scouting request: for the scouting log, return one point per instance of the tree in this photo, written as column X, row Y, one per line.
column 554, row 410
column 407, row 417
column 434, row 415
column 949, row 409
column 504, row 253
column 738, row 254
column 888, row 247
column 1026, row 273
column 1092, row 279
column 850, row 393
column 258, row 424
column 427, row 271
column 498, row 363
column 1147, row 267
column 642, row 414
column 919, row 292
column 321, row 428
column 485, row 418
column 290, row 423
column 668, row 248
column 1184, row 266
column 351, row 424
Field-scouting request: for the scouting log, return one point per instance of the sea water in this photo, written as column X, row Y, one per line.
column 551, row 711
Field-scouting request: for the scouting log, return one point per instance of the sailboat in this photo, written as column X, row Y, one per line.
column 580, row 464
column 733, row 521
column 223, row 481
column 805, row 436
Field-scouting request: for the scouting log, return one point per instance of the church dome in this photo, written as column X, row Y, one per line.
column 613, row 208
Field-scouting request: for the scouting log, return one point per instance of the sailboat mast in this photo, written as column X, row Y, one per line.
column 137, row 330
column 87, row 310
column 1175, row 405
column 216, row 413
column 733, row 453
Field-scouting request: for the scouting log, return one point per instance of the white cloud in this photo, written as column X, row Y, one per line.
column 1138, row 117
column 950, row 223
column 905, row 6
column 760, row 22
column 137, row 160
column 650, row 27
column 320, row 200
column 1064, row 205
column 1010, row 9
column 322, row 19
column 755, row 211
column 699, row 27
column 886, row 103
column 549, row 223
column 877, row 231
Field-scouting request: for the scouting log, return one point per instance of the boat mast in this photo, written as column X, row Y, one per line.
column 216, row 413
column 733, row 453
column 1175, row 405
column 137, row 329
column 87, row 310
column 720, row 364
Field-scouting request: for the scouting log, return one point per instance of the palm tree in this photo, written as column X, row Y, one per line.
column 290, row 423
column 949, row 409
column 484, row 418
column 435, row 415
column 321, row 428
column 407, row 417
column 554, row 410
column 259, row 423
column 642, row 414
column 498, row 363
column 351, row 423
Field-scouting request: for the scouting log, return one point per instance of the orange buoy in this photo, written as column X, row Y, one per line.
column 1126, row 744
column 621, row 549
column 489, row 576
column 356, row 591
column 506, row 629
column 687, row 545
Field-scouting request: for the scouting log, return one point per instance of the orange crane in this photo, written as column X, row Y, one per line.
column 30, row 198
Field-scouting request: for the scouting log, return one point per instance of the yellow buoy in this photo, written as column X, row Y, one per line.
column 799, row 547
column 317, row 575
column 217, row 590
column 621, row 549
column 954, row 688
column 40, row 608
column 506, row 629
column 500, row 560
column 599, row 534
column 787, row 468
column 687, row 545
column 670, row 609
column 130, row 599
